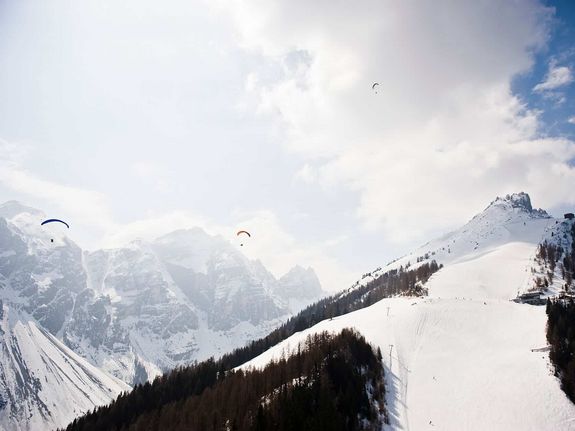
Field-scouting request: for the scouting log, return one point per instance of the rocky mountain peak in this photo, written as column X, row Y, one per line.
column 517, row 202
column 300, row 282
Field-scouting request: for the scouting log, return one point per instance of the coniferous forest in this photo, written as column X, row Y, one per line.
column 561, row 315
column 552, row 256
column 185, row 382
column 392, row 283
column 331, row 382
column 561, row 337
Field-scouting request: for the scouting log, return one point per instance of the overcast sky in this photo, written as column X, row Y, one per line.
column 133, row 118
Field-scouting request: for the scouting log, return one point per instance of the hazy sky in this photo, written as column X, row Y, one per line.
column 133, row 118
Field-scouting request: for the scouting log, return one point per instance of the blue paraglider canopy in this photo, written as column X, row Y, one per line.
column 52, row 220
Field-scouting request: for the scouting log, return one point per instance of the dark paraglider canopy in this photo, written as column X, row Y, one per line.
column 373, row 87
column 243, row 232
column 52, row 220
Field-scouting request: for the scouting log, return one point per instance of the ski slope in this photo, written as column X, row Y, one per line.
column 466, row 357
column 498, row 273
column 459, row 363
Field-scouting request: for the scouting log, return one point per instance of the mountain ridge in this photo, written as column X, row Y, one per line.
column 455, row 333
column 468, row 343
column 128, row 310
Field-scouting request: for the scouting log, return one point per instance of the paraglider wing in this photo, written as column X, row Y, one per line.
column 52, row 220
column 374, row 84
column 241, row 232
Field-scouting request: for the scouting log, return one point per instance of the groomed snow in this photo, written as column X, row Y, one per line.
column 498, row 273
column 464, row 364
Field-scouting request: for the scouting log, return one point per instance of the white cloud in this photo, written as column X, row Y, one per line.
column 87, row 205
column 571, row 120
column 307, row 174
column 444, row 134
column 275, row 247
column 154, row 174
column 556, row 97
column 12, row 153
column 558, row 76
column 203, row 105
column 154, row 225
column 280, row 250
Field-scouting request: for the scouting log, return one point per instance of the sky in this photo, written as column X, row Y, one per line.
column 132, row 119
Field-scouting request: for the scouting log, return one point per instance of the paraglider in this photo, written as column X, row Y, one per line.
column 375, row 84
column 54, row 220
column 243, row 232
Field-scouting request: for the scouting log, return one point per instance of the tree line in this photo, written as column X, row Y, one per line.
column 186, row 381
column 554, row 254
column 561, row 338
column 392, row 283
column 561, row 315
column 332, row 382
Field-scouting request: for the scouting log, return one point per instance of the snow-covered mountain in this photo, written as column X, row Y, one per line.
column 466, row 356
column 137, row 310
column 43, row 384
column 299, row 287
column 509, row 219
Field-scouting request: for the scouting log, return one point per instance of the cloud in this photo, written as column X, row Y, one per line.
column 273, row 245
column 155, row 225
column 556, row 97
column 86, row 205
column 444, row 134
column 306, row 174
column 571, row 120
column 154, row 174
column 280, row 250
column 12, row 153
column 557, row 76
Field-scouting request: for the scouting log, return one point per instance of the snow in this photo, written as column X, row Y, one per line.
column 466, row 357
column 460, row 363
column 491, row 278
column 44, row 382
column 43, row 281
column 190, row 248
column 121, row 310
column 499, row 224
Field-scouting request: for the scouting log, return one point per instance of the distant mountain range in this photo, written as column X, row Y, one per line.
column 133, row 312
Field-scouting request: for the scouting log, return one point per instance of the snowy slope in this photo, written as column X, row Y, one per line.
column 510, row 219
column 459, row 363
column 43, row 384
column 500, row 272
column 466, row 357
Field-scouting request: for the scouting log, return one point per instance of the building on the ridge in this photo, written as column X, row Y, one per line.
column 569, row 216
column 532, row 298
